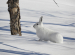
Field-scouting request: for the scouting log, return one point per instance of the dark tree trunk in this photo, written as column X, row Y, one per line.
column 14, row 11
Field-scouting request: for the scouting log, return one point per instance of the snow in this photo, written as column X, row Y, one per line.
column 60, row 19
column 66, row 2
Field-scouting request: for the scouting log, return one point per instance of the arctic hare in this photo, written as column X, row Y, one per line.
column 47, row 34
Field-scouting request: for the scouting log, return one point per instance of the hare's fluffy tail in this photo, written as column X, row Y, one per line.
column 59, row 38
column 56, row 38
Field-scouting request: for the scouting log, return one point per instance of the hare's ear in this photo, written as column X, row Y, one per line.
column 41, row 18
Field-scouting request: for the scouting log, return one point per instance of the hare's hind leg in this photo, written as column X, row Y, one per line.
column 40, row 39
column 45, row 39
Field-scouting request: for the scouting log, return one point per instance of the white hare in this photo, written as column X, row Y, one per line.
column 47, row 34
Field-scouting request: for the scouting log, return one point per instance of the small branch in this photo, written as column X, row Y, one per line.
column 55, row 3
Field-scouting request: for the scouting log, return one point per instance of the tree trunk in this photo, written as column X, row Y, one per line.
column 14, row 11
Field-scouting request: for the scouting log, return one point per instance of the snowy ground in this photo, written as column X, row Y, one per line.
column 60, row 19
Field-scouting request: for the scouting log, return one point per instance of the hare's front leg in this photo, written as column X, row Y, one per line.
column 45, row 39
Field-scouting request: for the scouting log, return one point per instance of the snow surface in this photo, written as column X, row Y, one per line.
column 60, row 19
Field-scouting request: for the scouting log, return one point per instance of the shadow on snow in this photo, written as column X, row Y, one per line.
column 2, row 28
column 68, row 38
column 21, row 53
column 28, row 32
column 71, row 25
column 26, row 52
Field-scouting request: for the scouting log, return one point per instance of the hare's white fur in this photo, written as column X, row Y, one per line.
column 47, row 34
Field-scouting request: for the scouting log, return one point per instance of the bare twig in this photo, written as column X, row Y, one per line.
column 55, row 3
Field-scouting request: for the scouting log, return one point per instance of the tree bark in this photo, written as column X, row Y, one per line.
column 14, row 11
